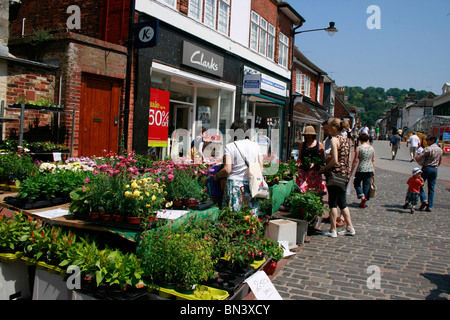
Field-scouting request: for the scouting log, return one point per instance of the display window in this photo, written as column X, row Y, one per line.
column 195, row 102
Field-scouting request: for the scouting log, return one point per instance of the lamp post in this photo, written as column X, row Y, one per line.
column 331, row 29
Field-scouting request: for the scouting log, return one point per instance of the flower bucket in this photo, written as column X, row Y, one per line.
column 94, row 215
column 134, row 220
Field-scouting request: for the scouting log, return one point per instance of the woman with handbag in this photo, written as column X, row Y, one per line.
column 337, row 172
column 363, row 161
column 237, row 155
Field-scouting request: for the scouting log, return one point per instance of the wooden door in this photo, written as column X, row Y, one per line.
column 99, row 116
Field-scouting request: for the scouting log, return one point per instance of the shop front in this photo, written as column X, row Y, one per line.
column 182, row 86
column 263, row 108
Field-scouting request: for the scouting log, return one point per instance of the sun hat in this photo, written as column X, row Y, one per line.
column 309, row 130
column 416, row 171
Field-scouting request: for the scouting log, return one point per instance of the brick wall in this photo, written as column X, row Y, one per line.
column 52, row 15
column 268, row 10
column 32, row 84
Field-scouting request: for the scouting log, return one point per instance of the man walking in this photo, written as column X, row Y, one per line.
column 430, row 159
column 414, row 142
column 395, row 144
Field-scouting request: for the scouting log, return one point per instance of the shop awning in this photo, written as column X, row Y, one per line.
column 307, row 113
column 254, row 97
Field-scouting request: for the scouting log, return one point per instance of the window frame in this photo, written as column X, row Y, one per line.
column 166, row 2
column 214, row 14
column 200, row 10
column 283, row 50
column 227, row 16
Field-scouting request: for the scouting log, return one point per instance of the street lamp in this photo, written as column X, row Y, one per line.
column 331, row 29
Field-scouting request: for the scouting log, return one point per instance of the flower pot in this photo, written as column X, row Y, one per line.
column 178, row 203
column 117, row 218
column 191, row 202
column 134, row 220
column 106, row 217
column 94, row 215
column 270, row 267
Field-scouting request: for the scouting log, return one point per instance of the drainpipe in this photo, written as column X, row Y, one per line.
column 126, row 110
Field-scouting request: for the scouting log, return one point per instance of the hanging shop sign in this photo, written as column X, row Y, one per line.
column 146, row 34
column 202, row 59
column 158, row 118
column 269, row 83
column 252, row 83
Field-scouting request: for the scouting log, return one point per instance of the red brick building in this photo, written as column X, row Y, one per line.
column 82, row 68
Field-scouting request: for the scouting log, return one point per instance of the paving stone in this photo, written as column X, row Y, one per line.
column 411, row 251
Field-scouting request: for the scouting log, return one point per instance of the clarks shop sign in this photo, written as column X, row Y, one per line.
column 201, row 59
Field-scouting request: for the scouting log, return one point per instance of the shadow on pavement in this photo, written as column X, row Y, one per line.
column 442, row 281
column 394, row 208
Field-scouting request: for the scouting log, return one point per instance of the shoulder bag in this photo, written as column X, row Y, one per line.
column 337, row 180
column 257, row 183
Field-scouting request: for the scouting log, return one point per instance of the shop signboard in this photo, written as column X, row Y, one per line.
column 252, row 83
column 269, row 83
column 446, row 136
column 201, row 59
column 158, row 119
column 146, row 34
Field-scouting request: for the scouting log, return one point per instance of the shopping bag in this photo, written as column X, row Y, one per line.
column 257, row 183
column 373, row 188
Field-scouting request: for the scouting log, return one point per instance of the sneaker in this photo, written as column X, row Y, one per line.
column 423, row 205
column 412, row 210
column 405, row 205
column 428, row 209
column 350, row 232
column 411, row 160
column 332, row 234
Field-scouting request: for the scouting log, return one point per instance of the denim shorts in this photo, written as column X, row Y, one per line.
column 412, row 197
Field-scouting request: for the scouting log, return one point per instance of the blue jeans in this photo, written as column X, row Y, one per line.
column 429, row 175
column 364, row 178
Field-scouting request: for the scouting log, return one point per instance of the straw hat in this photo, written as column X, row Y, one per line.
column 309, row 130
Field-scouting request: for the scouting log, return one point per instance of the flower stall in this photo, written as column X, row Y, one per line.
column 183, row 246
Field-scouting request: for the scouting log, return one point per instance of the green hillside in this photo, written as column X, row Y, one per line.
column 377, row 100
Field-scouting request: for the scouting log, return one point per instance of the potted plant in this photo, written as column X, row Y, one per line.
column 176, row 257
column 304, row 209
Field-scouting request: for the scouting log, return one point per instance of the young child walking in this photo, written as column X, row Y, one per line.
column 414, row 184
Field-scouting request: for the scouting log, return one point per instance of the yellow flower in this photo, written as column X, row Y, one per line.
column 127, row 193
column 147, row 194
column 134, row 184
column 136, row 193
column 169, row 204
column 153, row 198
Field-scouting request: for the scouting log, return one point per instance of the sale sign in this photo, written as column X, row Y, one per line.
column 158, row 118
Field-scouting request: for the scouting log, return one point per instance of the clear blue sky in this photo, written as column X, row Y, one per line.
column 410, row 50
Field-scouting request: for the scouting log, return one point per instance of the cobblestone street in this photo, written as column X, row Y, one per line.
column 411, row 251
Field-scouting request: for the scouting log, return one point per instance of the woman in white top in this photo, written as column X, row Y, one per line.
column 237, row 191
